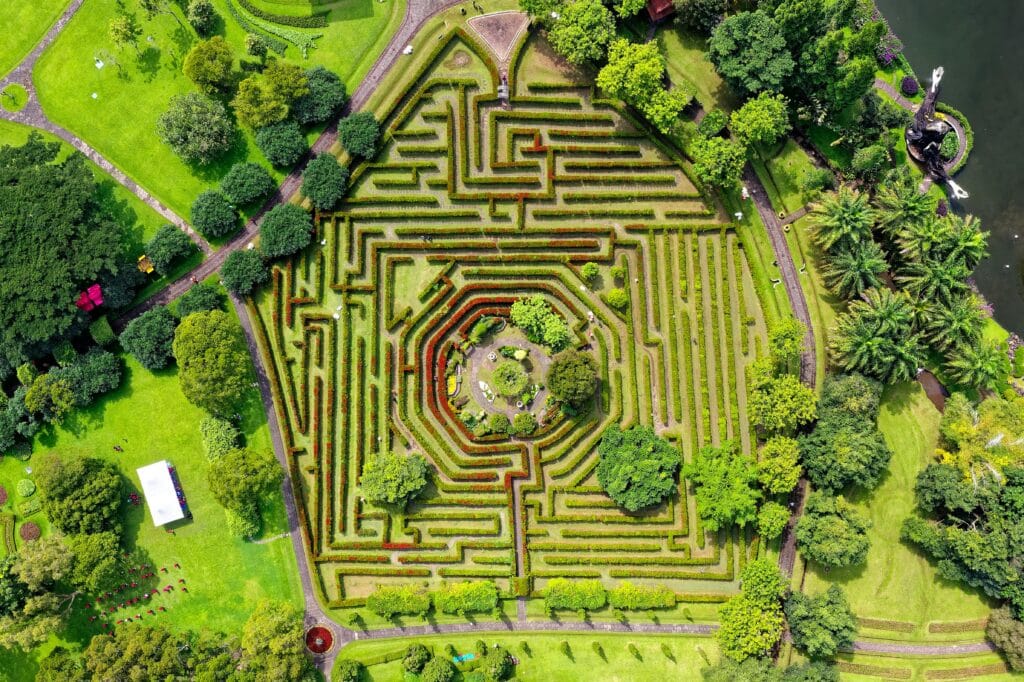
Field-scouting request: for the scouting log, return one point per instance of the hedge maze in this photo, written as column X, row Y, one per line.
column 469, row 206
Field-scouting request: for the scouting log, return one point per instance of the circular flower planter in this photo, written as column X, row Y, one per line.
column 29, row 532
column 319, row 640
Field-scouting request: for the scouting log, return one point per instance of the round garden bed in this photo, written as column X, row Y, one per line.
column 319, row 639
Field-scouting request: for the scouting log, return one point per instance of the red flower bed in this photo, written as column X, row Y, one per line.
column 319, row 640
column 3, row 495
column 29, row 532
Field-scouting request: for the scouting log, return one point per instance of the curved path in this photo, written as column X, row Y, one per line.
column 911, row 107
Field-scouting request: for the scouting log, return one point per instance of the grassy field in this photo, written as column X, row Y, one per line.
column 686, row 54
column 546, row 663
column 25, row 23
column 149, row 418
column 897, row 583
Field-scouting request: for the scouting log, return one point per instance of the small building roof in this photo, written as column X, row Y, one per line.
column 659, row 9
column 161, row 496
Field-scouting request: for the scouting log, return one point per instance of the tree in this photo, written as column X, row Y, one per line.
column 247, row 183
column 155, row 7
column 349, row 670
column 748, row 670
column 257, row 104
column 201, row 16
column 724, row 480
column 786, row 341
column 213, row 215
column 772, row 519
column 589, row 271
column 325, row 99
column 955, row 325
column 700, row 15
column 636, row 468
column 124, row 29
column 984, row 365
column 287, row 80
column 285, row 230
column 97, row 561
column 876, row 337
column 135, row 652
column 523, row 424
column 393, row 480
column 197, row 128
column 199, row 298
column 779, row 467
column 837, row 455
column 935, row 280
column 438, row 670
column 870, row 162
column 812, row 671
column 213, row 360
column 243, row 272
column 781, row 404
column 751, row 622
column 41, row 564
column 390, row 600
column 60, row 665
column 359, row 134
column 91, row 374
column 80, row 494
column 416, row 656
column 832, row 532
column 239, row 477
column 149, row 337
column 1007, row 634
column 634, row 74
column 842, row 219
column 282, row 143
column 167, row 246
column 572, row 377
column 750, row 53
column 761, row 120
column 256, row 46
column 208, row 65
column 583, row 31
column 58, row 239
column 324, row 181
column 50, row 397
column 821, row 625
column 540, row 322
column 470, row 596
column 850, row 271
column 718, row 162
column 940, row 489
column 900, row 203
column 273, row 645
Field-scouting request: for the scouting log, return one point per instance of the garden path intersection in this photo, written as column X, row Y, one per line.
column 702, row 253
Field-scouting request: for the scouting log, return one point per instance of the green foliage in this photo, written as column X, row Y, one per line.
column 630, row 597
column 496, row 664
column 359, row 134
column 618, row 298
column 876, row 337
column 979, row 438
column 349, row 670
column 101, row 331
column 851, row 270
column 786, row 341
column 388, row 601
column 200, row 298
column 842, row 219
column 243, row 521
column 718, row 162
column 98, row 564
column 870, row 162
column 150, row 336
column 1007, row 634
column 821, row 625
column 213, row 215
column 80, row 494
column 438, row 670
column 771, row 520
column 749, row 52
column 724, row 479
column 778, row 470
column 26, row 488
column 58, row 239
column 201, row 16
column 751, row 622
column 285, row 230
column 219, row 437
column 589, row 271
column 167, row 246
column 239, row 477
column 984, row 365
column 572, row 377
column 124, row 29
column 324, row 181
column 258, row 104
column 700, row 15
column 478, row 596
column 213, row 360
column 509, row 378
column 273, row 644
column 832, row 532
column 950, row 146
column 51, row 397
column 540, row 322
column 637, row 468
column 256, row 46
column 523, row 424
column 416, row 656
column 208, row 65
column 780, row 404
column 282, row 143
column 634, row 74
column 247, row 183
column 393, row 480
column 197, row 128
column 243, row 272
column 762, row 120
column 326, row 97
column 583, row 31
column 713, row 123
column 574, row 595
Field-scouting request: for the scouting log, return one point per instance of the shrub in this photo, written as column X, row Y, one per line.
column 26, row 488
column 632, row 597
column 950, row 146
column 247, row 183
column 91, row 374
column 523, row 424
column 479, row 596
column 816, row 180
column 509, row 378
column 416, row 656
column 101, row 331
column 618, row 298
column 573, row 595
column 572, row 377
column 347, row 670
column 244, row 521
column 438, row 670
column 282, row 143
column 326, row 97
column 1007, row 634
column 200, row 298
column 869, row 162
column 909, row 86
column 540, row 322
column 772, row 519
column 637, row 468
column 213, row 360
column 197, row 128
column 590, row 271
column 202, row 16
column 29, row 532
column 213, row 215
column 388, row 601
column 499, row 423
column 324, row 181
column 243, row 271
column 219, row 437
column 389, row 479
column 3, row 495
column 618, row 272
column 359, row 134
column 168, row 245
column 285, row 230
column 832, row 532
column 149, row 337
column 713, row 123
column 496, row 664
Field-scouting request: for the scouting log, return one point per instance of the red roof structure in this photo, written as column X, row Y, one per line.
column 90, row 298
column 660, row 9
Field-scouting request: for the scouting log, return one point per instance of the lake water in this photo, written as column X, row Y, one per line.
column 981, row 47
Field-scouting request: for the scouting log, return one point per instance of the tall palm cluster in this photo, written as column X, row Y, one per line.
column 924, row 302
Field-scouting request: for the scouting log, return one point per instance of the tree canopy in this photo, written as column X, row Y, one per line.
column 324, row 181
column 832, row 532
column 197, row 128
column 637, row 468
column 282, row 143
column 718, row 162
column 247, row 183
column 273, row 643
column 150, row 336
column 750, row 53
column 583, row 31
column 390, row 479
column 634, row 74
column 80, row 494
column 213, row 360
column 751, row 622
column 208, row 65
column 821, row 625
column 359, row 134
column 244, row 271
column 540, row 322
column 286, row 229
column 762, row 119
column 572, row 377
column 724, row 479
column 326, row 97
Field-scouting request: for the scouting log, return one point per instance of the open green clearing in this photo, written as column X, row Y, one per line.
column 686, row 57
column 14, row 97
column 150, row 420
column 546, row 663
column 25, row 22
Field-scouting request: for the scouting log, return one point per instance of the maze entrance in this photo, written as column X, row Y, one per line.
column 468, row 207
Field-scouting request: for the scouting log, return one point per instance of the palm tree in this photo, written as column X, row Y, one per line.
column 843, row 218
column 967, row 239
column 856, row 346
column 934, row 281
column 901, row 204
column 929, row 238
column 956, row 324
column 891, row 313
column 983, row 365
column 851, row 271
column 906, row 355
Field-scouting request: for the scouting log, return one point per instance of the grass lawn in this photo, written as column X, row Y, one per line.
column 150, row 419
column 546, row 663
column 686, row 56
column 25, row 23
column 132, row 90
column 897, row 583
column 14, row 97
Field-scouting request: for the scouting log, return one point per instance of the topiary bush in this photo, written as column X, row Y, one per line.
column 326, row 97
column 359, row 134
column 285, row 230
column 499, row 423
column 509, row 379
column 219, row 437
column 572, row 377
column 213, row 215
column 168, row 246
column 282, row 143
column 200, row 298
column 26, row 488
column 324, row 181
column 416, row 656
column 909, row 86
column 243, row 271
column 149, row 337
column 247, row 183
column 589, row 271
column 523, row 424
column 618, row 298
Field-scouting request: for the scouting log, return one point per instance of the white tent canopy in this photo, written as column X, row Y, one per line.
column 158, row 487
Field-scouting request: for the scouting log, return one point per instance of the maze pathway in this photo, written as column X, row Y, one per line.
column 469, row 206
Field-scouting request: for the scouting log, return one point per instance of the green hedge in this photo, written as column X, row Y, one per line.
column 316, row 20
